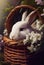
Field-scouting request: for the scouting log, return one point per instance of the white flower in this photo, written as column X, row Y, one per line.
column 34, row 37
column 37, row 25
column 5, row 32
column 31, row 48
column 27, row 39
column 42, row 26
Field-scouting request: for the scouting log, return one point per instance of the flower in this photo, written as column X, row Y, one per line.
column 5, row 32
column 38, row 25
column 33, row 37
column 39, row 2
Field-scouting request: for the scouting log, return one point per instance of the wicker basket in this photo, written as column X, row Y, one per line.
column 13, row 53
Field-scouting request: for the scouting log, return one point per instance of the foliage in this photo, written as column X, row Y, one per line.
column 32, row 3
column 27, row 2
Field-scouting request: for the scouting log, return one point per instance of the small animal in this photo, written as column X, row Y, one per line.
column 16, row 32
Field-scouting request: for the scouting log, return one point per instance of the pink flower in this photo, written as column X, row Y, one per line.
column 39, row 2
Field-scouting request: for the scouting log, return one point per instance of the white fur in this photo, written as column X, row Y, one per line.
column 15, row 32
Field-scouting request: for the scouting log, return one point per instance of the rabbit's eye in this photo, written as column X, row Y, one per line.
column 21, row 29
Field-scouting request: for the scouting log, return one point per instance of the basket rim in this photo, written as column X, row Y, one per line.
column 12, row 42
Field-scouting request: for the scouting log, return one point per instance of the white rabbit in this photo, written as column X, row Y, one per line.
column 15, row 33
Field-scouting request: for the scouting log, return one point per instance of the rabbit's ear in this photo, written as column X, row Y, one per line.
column 31, row 16
column 24, row 15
